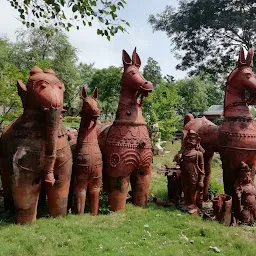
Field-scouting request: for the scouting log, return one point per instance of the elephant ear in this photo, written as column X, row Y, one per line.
column 22, row 91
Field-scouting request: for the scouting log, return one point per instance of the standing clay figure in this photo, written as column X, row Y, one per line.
column 246, row 195
column 192, row 173
column 125, row 145
column 87, row 169
column 34, row 149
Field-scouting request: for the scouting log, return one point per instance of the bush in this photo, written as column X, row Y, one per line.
column 72, row 119
column 215, row 188
column 103, row 204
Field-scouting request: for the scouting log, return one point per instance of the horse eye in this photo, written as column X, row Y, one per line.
column 248, row 75
column 60, row 86
column 44, row 85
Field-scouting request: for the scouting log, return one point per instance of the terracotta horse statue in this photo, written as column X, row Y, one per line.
column 235, row 139
column 87, row 168
column 125, row 145
column 35, row 149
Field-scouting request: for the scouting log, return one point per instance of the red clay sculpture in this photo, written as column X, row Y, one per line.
column 87, row 169
column 126, row 146
column 192, row 173
column 235, row 139
column 246, row 195
column 34, row 149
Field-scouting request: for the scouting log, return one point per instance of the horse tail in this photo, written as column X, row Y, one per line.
column 189, row 117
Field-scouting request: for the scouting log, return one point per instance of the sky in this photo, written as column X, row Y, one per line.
column 93, row 48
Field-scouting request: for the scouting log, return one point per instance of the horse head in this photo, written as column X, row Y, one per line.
column 133, row 82
column 90, row 107
column 43, row 91
column 242, row 77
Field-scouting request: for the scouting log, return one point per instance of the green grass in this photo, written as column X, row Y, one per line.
column 136, row 231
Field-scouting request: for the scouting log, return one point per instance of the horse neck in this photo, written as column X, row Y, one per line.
column 235, row 103
column 87, row 131
column 128, row 109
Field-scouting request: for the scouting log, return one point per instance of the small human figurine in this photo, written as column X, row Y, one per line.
column 246, row 195
column 156, row 141
column 192, row 173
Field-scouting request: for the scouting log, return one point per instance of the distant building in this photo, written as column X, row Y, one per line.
column 214, row 112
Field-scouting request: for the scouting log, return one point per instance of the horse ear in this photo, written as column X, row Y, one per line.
column 22, row 91
column 21, row 87
column 241, row 59
column 126, row 59
column 249, row 57
column 95, row 93
column 136, row 59
column 84, row 94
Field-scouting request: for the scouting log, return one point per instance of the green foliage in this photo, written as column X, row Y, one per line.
column 10, row 102
column 103, row 203
column 71, row 119
column 51, row 49
column 160, row 107
column 152, row 72
column 206, row 34
column 107, row 80
column 83, row 12
column 215, row 188
column 197, row 95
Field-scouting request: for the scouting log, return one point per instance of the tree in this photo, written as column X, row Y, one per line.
column 152, row 72
column 197, row 95
column 83, row 12
column 107, row 80
column 49, row 49
column 207, row 34
column 160, row 107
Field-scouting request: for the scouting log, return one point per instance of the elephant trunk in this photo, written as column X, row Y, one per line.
column 52, row 119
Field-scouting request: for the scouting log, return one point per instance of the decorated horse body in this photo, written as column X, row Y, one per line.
column 235, row 139
column 34, row 149
column 126, row 146
column 87, row 168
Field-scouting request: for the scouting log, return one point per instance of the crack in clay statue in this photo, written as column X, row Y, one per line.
column 35, row 149
column 126, row 146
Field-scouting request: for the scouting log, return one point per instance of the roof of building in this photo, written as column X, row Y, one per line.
column 214, row 110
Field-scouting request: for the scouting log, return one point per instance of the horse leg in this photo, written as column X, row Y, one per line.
column 25, row 188
column 7, row 190
column 80, row 188
column 140, row 181
column 94, row 193
column 208, row 169
column 58, row 193
column 117, row 192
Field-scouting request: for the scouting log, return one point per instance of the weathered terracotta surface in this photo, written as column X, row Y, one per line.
column 126, row 146
column 87, row 168
column 235, row 139
column 192, row 172
column 246, row 195
column 34, row 149
column 174, row 185
column 222, row 208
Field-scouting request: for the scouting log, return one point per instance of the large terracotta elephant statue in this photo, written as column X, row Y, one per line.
column 35, row 149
